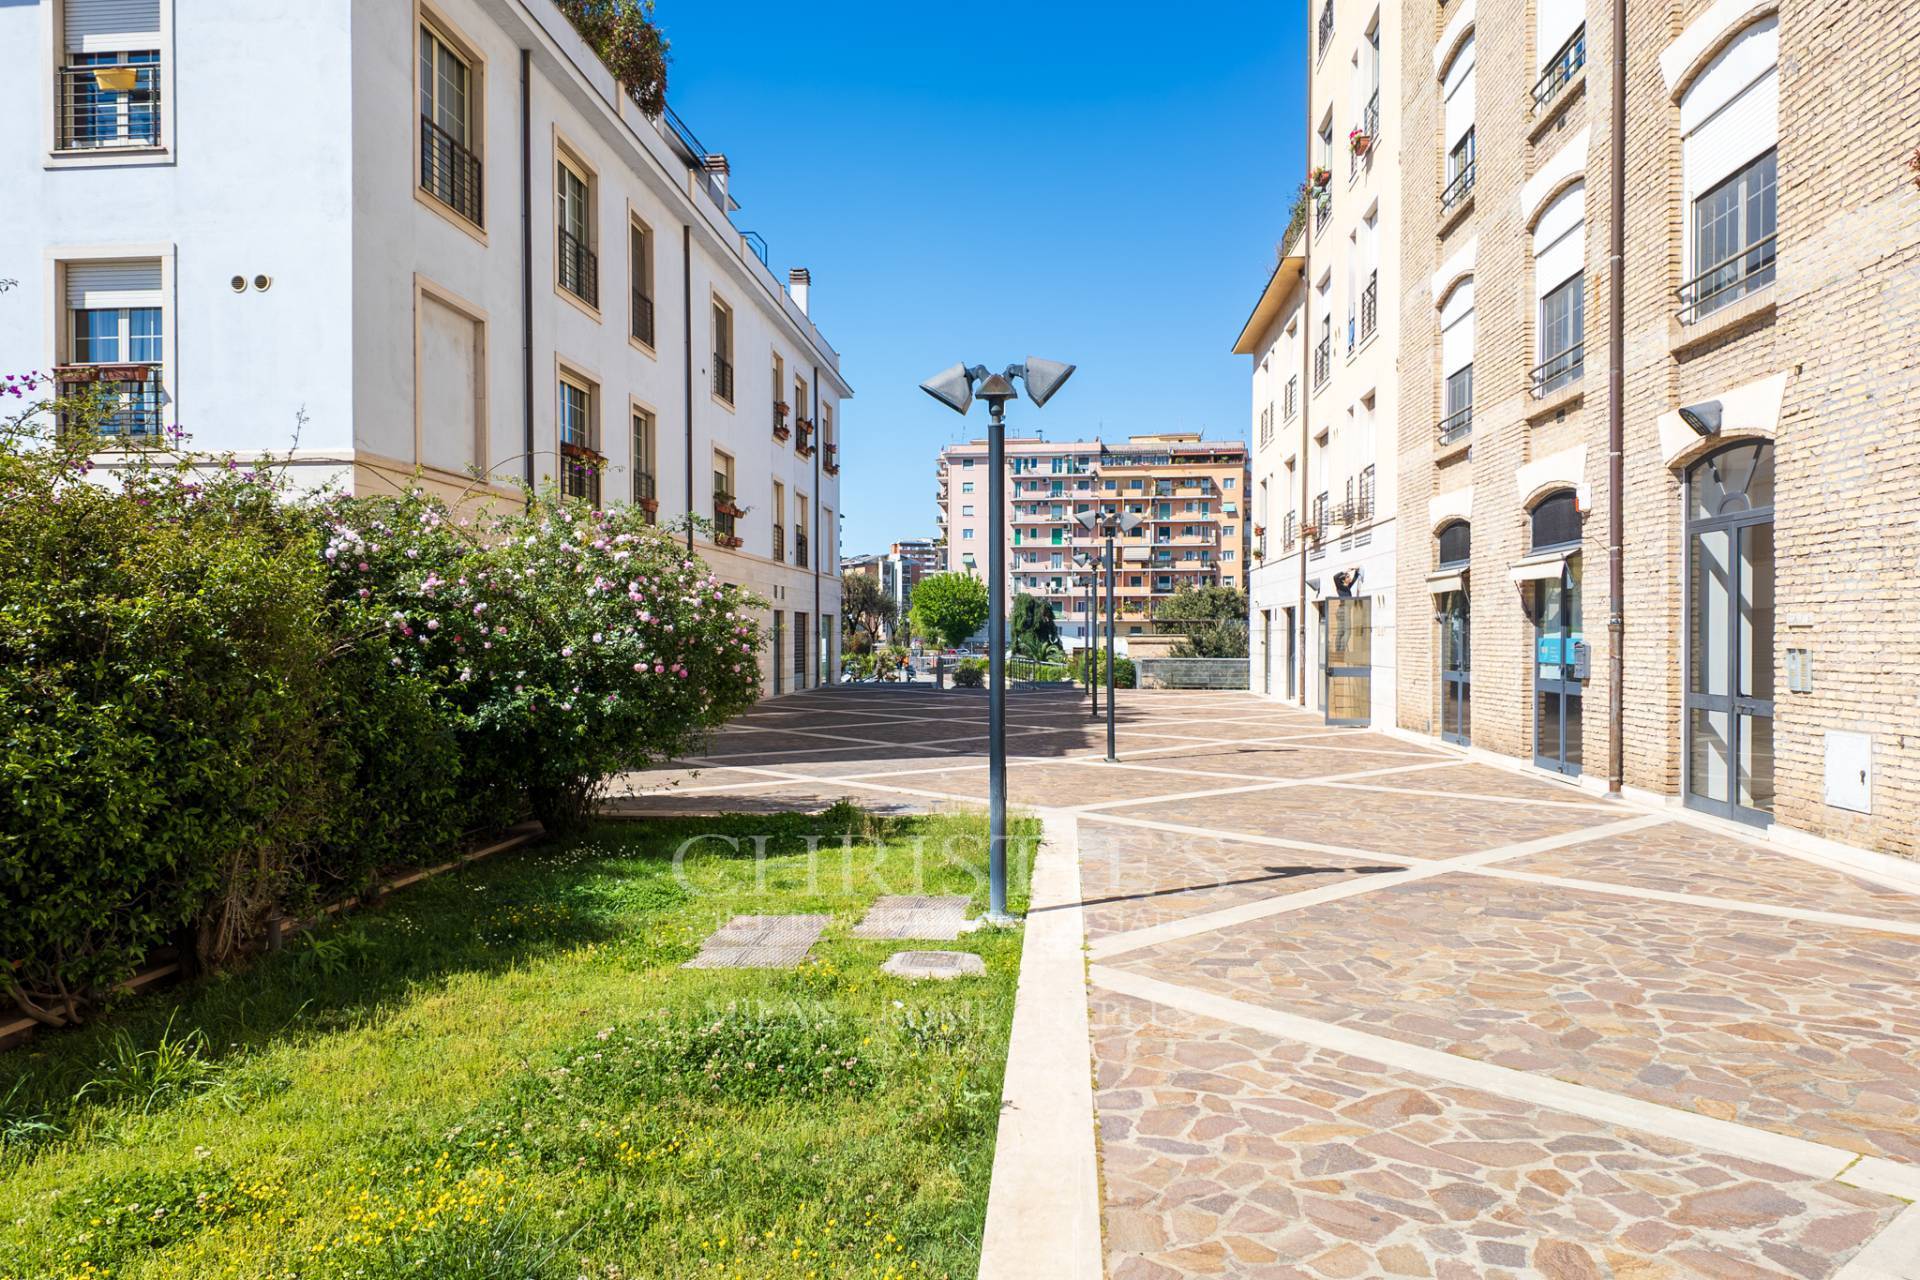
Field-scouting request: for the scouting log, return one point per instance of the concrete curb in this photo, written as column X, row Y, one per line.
column 1043, row 1209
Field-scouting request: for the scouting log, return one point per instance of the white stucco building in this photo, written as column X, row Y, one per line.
column 428, row 239
column 1324, row 337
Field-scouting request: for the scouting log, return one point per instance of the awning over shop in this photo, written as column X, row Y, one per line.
column 1440, row 583
column 1548, row 564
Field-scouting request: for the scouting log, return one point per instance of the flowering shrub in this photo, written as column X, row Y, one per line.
column 622, row 33
column 567, row 644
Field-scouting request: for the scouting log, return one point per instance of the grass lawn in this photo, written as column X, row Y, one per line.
column 505, row 1072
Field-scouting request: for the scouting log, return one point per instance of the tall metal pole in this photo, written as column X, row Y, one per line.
column 1093, row 634
column 997, row 665
column 1110, row 755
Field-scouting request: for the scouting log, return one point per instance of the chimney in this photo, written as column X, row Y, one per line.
column 715, row 169
column 800, row 284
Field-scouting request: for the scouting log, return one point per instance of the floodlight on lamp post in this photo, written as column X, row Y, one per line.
column 957, row 388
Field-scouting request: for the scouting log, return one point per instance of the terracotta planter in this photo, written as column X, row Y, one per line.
column 1360, row 143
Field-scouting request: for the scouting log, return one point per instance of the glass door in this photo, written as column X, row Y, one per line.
column 1346, row 655
column 1456, row 668
column 1559, row 670
column 1730, row 634
column 1293, row 656
column 1266, row 651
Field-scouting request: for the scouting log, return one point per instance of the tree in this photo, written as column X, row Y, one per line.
column 864, row 604
column 1034, row 632
column 949, row 607
column 1213, row 620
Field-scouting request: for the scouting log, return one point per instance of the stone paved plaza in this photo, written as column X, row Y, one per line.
column 1363, row 1007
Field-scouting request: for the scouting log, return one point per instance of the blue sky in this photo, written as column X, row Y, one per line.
column 1096, row 183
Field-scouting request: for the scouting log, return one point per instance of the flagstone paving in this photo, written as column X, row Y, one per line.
column 1443, row 1019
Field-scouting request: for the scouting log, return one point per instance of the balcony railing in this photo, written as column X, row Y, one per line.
column 800, row 546
column 830, row 459
column 121, row 399
column 642, row 317
column 725, row 513
column 93, row 115
column 723, row 377
column 1460, row 188
column 1322, row 212
column 449, row 172
column 1559, row 371
column 1731, row 278
column 1370, row 307
column 780, row 542
column 1571, row 57
column 1326, row 26
column 1322, row 362
column 644, row 493
column 579, row 270
column 1457, row 425
column 804, row 445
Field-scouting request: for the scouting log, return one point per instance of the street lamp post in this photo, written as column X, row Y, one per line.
column 1087, row 561
column 1099, row 523
column 956, row 388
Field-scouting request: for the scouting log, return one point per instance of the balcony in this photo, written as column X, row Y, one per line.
column 1322, row 362
column 1370, row 306
column 1322, row 212
column 642, row 318
column 781, row 431
column 123, row 400
column 1560, row 71
column 800, row 546
column 449, row 172
column 780, row 542
column 725, row 516
column 723, row 377
column 1557, row 371
column 1456, row 192
column 108, row 107
column 1733, row 277
column 830, row 462
column 645, row 495
column 1457, row 425
column 1325, row 35
column 804, row 446
column 579, row 270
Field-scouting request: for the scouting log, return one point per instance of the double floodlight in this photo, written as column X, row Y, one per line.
column 956, row 387
column 1121, row 522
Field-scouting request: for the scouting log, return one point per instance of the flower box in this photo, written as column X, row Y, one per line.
column 728, row 540
column 723, row 506
column 1320, row 176
column 1360, row 142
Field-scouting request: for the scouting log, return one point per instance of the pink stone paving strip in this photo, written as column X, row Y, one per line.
column 1229, row 1153
column 1804, row 1029
column 1417, row 826
column 1677, row 858
column 1255, row 761
column 1131, row 879
column 1480, row 779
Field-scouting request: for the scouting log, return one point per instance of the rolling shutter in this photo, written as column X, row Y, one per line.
column 1459, row 93
column 1732, row 111
column 1456, row 329
column 102, row 26
column 113, row 283
column 1555, row 21
column 1559, row 240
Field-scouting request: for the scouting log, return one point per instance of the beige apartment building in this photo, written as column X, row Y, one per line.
column 1189, row 493
column 1324, row 337
column 1768, row 406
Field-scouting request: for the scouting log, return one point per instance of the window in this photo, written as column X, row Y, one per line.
column 580, row 458
column 800, row 531
column 1455, row 545
column 832, row 450
column 966, row 486
column 1559, row 273
column 723, row 351
column 450, row 374
column 579, row 270
column 108, row 86
column 779, row 521
column 966, row 535
column 115, row 343
column 1560, row 43
column 645, row 429
column 1456, row 362
column 1555, row 522
column 1729, row 123
column 640, row 280
column 1292, row 401
column 1457, row 90
column 725, row 513
column 828, row 531
column 449, row 140
column 967, row 509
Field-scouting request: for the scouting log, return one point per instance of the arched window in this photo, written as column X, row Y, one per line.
column 1730, row 123
column 1456, row 362
column 1457, row 90
column 1734, row 480
column 1560, row 285
column 1455, row 545
column 1556, row 522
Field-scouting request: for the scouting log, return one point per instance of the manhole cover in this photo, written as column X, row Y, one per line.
column 934, row 964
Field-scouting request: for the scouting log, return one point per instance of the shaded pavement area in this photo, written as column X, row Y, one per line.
column 1364, row 1007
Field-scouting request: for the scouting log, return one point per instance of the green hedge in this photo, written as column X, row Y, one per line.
column 220, row 701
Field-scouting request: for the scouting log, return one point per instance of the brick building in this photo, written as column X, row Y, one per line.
column 1769, row 396
column 1189, row 492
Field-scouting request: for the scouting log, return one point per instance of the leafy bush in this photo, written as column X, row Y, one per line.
column 949, row 607
column 1123, row 675
column 622, row 33
column 970, row 674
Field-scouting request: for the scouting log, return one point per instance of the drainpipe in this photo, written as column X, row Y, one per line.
column 1616, row 414
column 819, row 532
column 1306, row 386
column 686, row 317
column 526, row 258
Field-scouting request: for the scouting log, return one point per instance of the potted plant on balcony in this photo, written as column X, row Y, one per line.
column 1358, row 141
column 116, row 78
column 805, row 445
column 1320, row 176
column 780, row 428
column 724, row 505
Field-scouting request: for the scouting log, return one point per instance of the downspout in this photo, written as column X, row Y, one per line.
column 1306, row 387
column 526, row 259
column 819, row 531
column 686, row 319
column 1616, row 414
